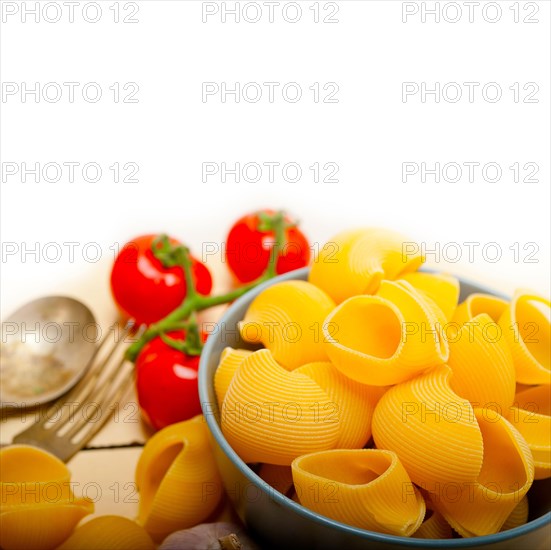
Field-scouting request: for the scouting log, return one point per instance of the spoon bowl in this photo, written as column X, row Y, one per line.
column 45, row 348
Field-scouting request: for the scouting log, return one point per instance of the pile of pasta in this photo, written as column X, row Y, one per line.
column 39, row 510
column 378, row 401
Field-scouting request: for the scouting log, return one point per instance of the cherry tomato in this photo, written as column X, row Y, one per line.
column 248, row 249
column 146, row 290
column 166, row 383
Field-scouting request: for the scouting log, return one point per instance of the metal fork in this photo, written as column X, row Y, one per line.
column 75, row 418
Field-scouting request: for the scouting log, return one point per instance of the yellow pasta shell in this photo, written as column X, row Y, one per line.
column 434, row 525
column 29, row 475
column 518, row 517
column 287, row 318
column 272, row 415
column 41, row 526
column 230, row 360
column 177, row 478
column 535, row 398
column 355, row 262
column 482, row 507
column 527, row 332
column 478, row 303
column 109, row 533
column 431, row 429
column 441, row 288
column 483, row 370
column 18, row 461
column 38, row 509
column 522, row 387
column 356, row 402
column 365, row 488
column 385, row 339
column 418, row 309
column 531, row 417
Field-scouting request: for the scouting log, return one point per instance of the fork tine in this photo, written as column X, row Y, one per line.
column 117, row 395
column 91, row 373
column 99, row 394
column 113, row 380
column 94, row 368
column 79, row 396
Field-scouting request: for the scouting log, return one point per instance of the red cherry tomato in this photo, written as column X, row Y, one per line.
column 146, row 290
column 166, row 383
column 248, row 249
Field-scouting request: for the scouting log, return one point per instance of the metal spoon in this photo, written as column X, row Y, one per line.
column 45, row 348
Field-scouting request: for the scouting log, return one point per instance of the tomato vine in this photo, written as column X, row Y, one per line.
column 184, row 316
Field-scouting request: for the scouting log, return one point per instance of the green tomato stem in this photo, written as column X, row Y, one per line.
column 195, row 302
column 276, row 223
column 185, row 258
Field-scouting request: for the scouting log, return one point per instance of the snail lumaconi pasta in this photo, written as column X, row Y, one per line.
column 23, row 466
column 355, row 262
column 411, row 301
column 112, row 532
column 518, row 517
column 531, row 416
column 446, row 391
column 38, row 508
column 526, row 327
column 41, row 526
column 177, row 478
column 432, row 430
column 287, row 318
column 434, row 527
column 482, row 365
column 478, row 303
column 443, row 289
column 387, row 338
column 535, row 398
column 273, row 415
column 356, row 402
column 434, row 524
column 230, row 361
column 366, row 488
column 482, row 507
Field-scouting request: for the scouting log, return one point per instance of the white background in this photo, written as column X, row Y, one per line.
column 170, row 52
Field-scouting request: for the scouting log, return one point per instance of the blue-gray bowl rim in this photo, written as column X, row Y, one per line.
column 286, row 502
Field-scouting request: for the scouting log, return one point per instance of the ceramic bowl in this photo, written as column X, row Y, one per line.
column 278, row 522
